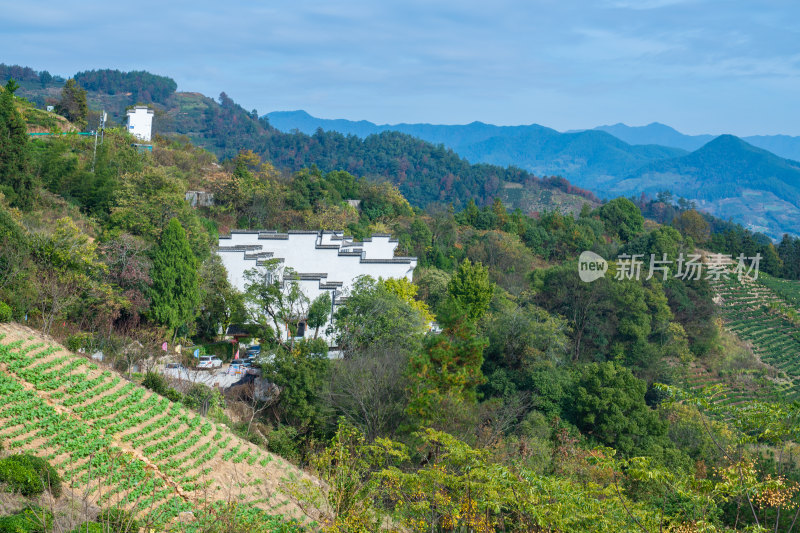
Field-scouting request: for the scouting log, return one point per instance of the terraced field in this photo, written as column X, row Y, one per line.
column 736, row 389
column 745, row 310
column 117, row 443
column 788, row 290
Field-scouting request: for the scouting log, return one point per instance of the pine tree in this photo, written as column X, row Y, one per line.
column 72, row 105
column 174, row 294
column 14, row 163
column 447, row 372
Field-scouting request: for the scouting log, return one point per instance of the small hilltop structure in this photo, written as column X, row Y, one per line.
column 140, row 122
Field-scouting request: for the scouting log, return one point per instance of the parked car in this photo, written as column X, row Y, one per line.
column 174, row 366
column 252, row 351
column 209, row 362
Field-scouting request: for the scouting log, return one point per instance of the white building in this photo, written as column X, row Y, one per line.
column 324, row 261
column 140, row 122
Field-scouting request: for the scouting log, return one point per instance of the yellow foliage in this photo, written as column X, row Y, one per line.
column 407, row 291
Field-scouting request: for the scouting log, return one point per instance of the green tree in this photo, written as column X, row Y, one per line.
column 380, row 327
column 585, row 305
column 421, row 237
column 521, row 340
column 298, row 374
column 662, row 240
column 145, row 202
column 376, row 315
column 621, row 218
column 609, row 405
column 72, row 104
column 346, row 467
column 13, row 250
column 278, row 306
column 471, row 288
column 432, row 284
column 68, row 270
column 318, row 312
column 220, row 303
column 174, row 294
column 460, row 488
column 445, row 375
column 16, row 180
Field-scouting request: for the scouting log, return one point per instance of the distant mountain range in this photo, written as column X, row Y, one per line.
column 585, row 158
column 732, row 178
column 782, row 145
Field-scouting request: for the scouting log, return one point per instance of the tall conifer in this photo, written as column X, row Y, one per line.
column 174, row 294
column 14, row 163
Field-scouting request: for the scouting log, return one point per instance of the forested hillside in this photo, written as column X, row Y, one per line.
column 425, row 173
column 587, row 158
column 437, row 168
column 727, row 176
column 540, row 402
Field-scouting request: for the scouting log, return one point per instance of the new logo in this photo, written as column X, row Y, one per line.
column 591, row 266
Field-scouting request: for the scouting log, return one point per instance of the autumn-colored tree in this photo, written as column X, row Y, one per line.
column 692, row 224
column 408, row 292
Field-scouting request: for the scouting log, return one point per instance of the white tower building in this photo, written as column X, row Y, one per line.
column 140, row 122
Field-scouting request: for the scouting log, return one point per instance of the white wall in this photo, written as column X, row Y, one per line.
column 140, row 122
column 313, row 252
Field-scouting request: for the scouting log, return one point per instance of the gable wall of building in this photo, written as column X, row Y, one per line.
column 325, row 261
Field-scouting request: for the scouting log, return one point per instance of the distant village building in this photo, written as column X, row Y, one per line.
column 200, row 198
column 140, row 122
column 323, row 261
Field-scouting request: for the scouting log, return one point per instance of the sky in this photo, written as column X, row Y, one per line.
column 701, row 66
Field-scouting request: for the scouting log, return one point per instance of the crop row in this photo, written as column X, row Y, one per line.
column 102, row 408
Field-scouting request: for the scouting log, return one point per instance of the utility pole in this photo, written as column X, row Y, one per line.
column 100, row 128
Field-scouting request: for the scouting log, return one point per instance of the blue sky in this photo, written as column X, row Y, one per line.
column 701, row 66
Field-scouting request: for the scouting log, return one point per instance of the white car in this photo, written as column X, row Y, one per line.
column 209, row 362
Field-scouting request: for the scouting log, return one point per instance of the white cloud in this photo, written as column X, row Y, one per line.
column 571, row 64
